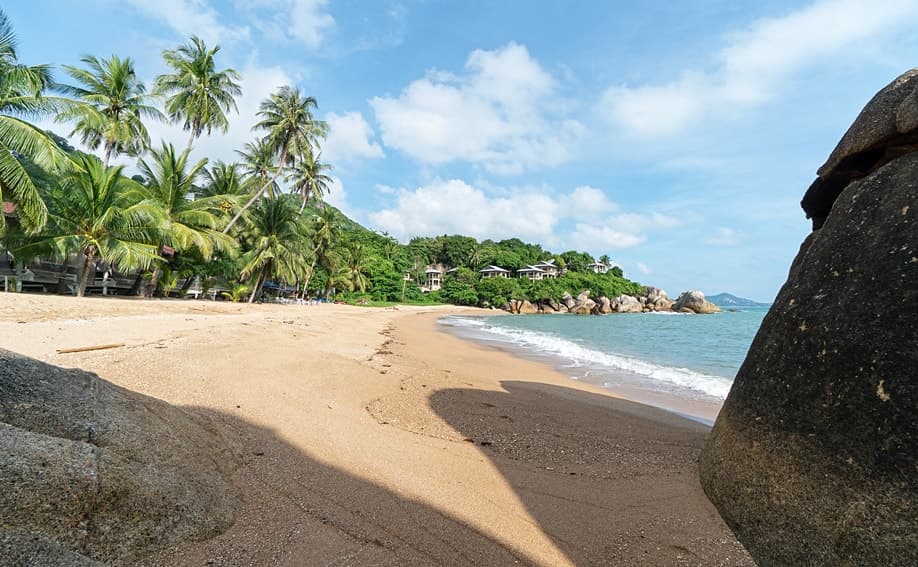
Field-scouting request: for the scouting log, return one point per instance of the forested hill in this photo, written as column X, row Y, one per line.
column 386, row 264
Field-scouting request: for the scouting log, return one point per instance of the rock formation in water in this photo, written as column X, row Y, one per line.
column 694, row 302
column 814, row 458
column 93, row 472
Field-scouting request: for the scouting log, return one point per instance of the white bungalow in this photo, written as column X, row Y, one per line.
column 598, row 267
column 434, row 279
column 494, row 272
column 548, row 267
column 532, row 273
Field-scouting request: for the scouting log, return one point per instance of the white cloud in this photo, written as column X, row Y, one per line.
column 453, row 206
column 498, row 114
column 753, row 66
column 586, row 201
column 191, row 17
column 309, row 21
column 337, row 196
column 723, row 237
column 349, row 137
column 305, row 21
column 644, row 268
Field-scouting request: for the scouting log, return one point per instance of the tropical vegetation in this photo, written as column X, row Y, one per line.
column 246, row 230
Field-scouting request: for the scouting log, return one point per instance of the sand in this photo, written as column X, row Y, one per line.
column 367, row 437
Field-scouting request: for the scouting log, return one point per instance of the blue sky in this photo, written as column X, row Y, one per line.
column 677, row 137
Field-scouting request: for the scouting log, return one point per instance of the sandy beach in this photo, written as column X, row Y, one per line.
column 365, row 437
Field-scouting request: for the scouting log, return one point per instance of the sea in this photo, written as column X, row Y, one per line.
column 680, row 362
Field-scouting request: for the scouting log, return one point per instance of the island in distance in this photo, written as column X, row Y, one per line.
column 730, row 300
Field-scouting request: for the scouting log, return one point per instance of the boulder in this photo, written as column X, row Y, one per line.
column 584, row 308
column 813, row 460
column 627, row 304
column 527, row 308
column 604, row 306
column 568, row 301
column 885, row 129
column 583, row 296
column 654, row 294
column 694, row 302
column 94, row 472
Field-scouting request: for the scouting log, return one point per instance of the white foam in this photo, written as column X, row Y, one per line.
column 576, row 355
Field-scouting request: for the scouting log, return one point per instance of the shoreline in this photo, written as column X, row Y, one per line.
column 703, row 409
column 365, row 436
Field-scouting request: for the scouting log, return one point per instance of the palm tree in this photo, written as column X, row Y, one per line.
column 113, row 105
column 308, row 178
column 200, row 95
column 326, row 230
column 223, row 178
column 258, row 165
column 278, row 243
column 21, row 89
column 291, row 129
column 98, row 212
column 192, row 223
column 355, row 267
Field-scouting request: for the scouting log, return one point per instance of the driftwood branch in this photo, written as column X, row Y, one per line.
column 86, row 348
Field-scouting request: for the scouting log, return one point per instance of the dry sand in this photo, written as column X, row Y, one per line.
column 367, row 438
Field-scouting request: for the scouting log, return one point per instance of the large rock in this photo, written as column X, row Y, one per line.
column 568, row 301
column 527, row 308
column 694, row 302
column 813, row 459
column 885, row 129
column 627, row 304
column 90, row 471
column 604, row 307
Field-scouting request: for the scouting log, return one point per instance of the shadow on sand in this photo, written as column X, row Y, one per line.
column 609, row 481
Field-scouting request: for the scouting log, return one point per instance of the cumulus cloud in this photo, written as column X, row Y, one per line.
column 752, row 66
column 723, row 237
column 497, row 113
column 644, row 268
column 305, row 21
column 349, row 137
column 191, row 17
column 454, row 206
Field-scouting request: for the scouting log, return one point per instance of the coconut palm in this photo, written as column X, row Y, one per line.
column 223, row 178
column 307, row 177
column 200, row 95
column 326, row 230
column 258, row 166
column 21, row 90
column 113, row 104
column 291, row 129
column 192, row 223
column 355, row 260
column 99, row 212
column 278, row 243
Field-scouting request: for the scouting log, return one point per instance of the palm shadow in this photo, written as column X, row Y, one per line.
column 608, row 480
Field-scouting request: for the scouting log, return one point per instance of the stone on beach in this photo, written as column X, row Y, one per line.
column 94, row 472
column 813, row 460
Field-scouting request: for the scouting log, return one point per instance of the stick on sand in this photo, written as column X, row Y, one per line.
column 86, row 348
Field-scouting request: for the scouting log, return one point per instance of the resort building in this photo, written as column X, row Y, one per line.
column 434, row 278
column 494, row 272
column 598, row 267
column 532, row 273
column 548, row 267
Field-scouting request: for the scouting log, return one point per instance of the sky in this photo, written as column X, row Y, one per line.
column 676, row 137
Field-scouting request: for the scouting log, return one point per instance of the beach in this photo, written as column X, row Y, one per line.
column 365, row 436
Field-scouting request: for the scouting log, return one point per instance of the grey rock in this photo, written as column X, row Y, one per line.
column 885, row 129
column 568, row 301
column 813, row 458
column 584, row 308
column 627, row 304
column 653, row 294
column 694, row 302
column 583, row 296
column 604, row 306
column 527, row 308
column 94, row 470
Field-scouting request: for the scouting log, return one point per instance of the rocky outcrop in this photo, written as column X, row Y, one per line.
column 813, row 460
column 93, row 472
column 886, row 128
column 568, row 301
column 527, row 308
column 694, row 302
column 583, row 305
column 604, row 307
column 656, row 300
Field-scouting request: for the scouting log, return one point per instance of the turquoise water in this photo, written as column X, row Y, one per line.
column 691, row 356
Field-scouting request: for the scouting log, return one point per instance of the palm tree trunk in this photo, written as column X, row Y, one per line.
column 190, row 140
column 154, row 280
column 280, row 167
column 258, row 284
column 108, row 155
column 305, row 198
column 84, row 276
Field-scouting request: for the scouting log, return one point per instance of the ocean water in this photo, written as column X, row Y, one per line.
column 692, row 357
